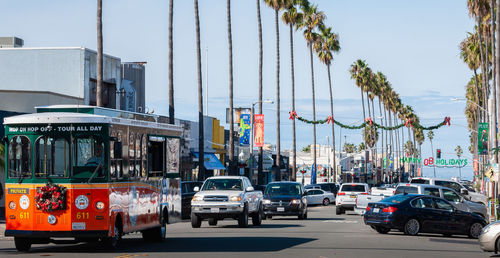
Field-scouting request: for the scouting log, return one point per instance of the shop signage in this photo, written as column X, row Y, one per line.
column 435, row 162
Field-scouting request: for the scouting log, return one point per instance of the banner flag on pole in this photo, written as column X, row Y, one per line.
column 259, row 130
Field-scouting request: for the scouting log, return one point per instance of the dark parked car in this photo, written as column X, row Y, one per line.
column 415, row 214
column 285, row 199
column 187, row 195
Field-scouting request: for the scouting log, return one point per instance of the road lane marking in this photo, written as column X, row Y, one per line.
column 341, row 221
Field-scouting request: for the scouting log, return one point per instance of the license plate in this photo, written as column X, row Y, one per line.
column 376, row 210
column 78, row 226
column 281, row 208
column 353, row 196
column 214, row 210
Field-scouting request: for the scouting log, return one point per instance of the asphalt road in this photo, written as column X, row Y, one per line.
column 324, row 234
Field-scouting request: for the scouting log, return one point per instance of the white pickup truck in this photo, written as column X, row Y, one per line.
column 377, row 194
column 223, row 197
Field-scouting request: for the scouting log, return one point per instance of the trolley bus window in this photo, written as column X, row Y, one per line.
column 52, row 157
column 131, row 154
column 156, row 156
column 19, row 157
column 89, row 155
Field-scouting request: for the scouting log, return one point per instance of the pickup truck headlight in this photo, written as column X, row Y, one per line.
column 267, row 201
column 235, row 198
column 295, row 201
column 197, row 198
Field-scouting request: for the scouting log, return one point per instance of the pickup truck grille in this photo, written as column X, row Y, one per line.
column 215, row 198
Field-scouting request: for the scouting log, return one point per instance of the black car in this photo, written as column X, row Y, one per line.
column 285, row 199
column 413, row 214
column 187, row 194
column 330, row 187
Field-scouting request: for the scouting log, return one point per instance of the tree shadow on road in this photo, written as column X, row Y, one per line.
column 177, row 245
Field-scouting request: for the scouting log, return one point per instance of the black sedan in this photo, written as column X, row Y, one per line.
column 413, row 214
column 187, row 189
column 285, row 199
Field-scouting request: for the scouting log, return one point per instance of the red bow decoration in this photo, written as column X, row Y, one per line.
column 409, row 123
column 447, row 121
column 369, row 120
column 293, row 115
column 329, row 119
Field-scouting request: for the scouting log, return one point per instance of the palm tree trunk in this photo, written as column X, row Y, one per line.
column 374, row 150
column 294, row 156
column 99, row 55
column 260, row 176
column 484, row 67
column 477, row 95
column 382, row 135
column 276, row 14
column 201, row 137
column 494, row 82
column 232, row 169
column 171, row 112
column 387, row 154
column 314, row 107
column 363, row 103
column 333, row 125
column 432, row 155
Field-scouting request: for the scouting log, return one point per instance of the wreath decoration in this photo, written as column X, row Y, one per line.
column 51, row 197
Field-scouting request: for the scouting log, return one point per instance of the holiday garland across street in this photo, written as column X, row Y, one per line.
column 370, row 122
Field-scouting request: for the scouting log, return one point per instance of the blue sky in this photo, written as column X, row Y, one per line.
column 414, row 43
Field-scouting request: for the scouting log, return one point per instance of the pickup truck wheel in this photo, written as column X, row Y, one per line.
column 257, row 217
column 195, row 221
column 326, row 202
column 243, row 219
column 212, row 222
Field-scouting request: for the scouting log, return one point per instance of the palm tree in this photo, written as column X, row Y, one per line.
column 430, row 135
column 357, row 71
column 312, row 18
column 381, row 84
column 201, row 148
column 171, row 112
column 459, row 152
column 480, row 9
column 292, row 17
column 99, row 55
column 231, row 118
column 277, row 5
column 260, row 176
column 361, row 146
column 493, row 68
column 328, row 43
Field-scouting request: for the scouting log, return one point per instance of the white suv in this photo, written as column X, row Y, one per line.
column 346, row 196
column 459, row 188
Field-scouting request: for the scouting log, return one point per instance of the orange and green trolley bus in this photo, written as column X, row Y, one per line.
column 82, row 173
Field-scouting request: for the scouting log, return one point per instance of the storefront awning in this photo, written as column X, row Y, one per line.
column 211, row 161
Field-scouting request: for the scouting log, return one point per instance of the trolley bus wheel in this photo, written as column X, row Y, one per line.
column 22, row 244
column 114, row 241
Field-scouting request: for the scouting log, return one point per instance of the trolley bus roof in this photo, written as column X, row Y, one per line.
column 80, row 118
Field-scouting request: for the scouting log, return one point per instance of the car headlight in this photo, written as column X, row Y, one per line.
column 267, row 201
column 486, row 229
column 235, row 198
column 99, row 205
column 197, row 198
column 295, row 201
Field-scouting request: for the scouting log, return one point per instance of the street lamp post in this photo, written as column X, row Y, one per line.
column 252, row 111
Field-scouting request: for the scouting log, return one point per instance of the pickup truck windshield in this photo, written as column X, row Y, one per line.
column 283, row 189
column 223, row 184
column 353, row 188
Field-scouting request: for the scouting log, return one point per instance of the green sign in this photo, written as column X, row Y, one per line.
column 482, row 138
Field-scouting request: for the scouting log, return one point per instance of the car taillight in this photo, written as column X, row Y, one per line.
column 389, row 209
column 341, row 194
column 364, row 193
column 368, row 208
